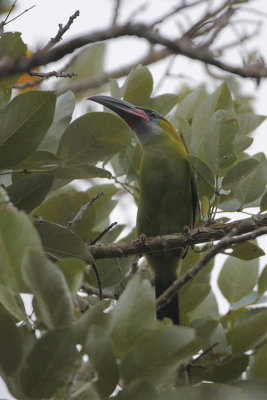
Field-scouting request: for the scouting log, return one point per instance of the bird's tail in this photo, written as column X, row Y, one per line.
column 171, row 310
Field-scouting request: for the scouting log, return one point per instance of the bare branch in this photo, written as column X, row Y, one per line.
column 177, row 9
column 98, row 281
column 9, row 12
column 116, row 12
column 170, row 242
column 101, row 234
column 62, row 29
column 17, row 16
column 46, row 75
column 223, row 244
column 82, row 210
column 91, row 290
column 182, row 47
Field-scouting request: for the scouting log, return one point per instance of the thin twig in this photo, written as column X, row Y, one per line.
column 223, row 244
column 101, row 234
column 46, row 75
column 91, row 290
column 98, row 281
column 171, row 13
column 62, row 29
column 9, row 12
column 116, row 12
column 23, row 12
column 82, row 210
column 204, row 352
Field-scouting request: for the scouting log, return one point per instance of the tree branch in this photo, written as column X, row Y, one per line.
column 143, row 245
column 223, row 244
column 181, row 46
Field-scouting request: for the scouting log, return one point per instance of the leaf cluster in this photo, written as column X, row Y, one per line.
column 73, row 345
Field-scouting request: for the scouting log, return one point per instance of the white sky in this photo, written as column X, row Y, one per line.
column 41, row 23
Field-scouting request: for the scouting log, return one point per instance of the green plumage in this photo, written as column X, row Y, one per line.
column 167, row 192
column 165, row 207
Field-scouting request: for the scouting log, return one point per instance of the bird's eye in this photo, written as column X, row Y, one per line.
column 153, row 114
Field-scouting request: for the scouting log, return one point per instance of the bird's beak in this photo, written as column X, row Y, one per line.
column 125, row 110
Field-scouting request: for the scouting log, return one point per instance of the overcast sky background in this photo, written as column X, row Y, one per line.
column 41, row 23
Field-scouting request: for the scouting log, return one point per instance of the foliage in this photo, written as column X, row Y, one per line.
column 44, row 252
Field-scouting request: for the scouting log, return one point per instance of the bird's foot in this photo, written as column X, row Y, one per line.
column 187, row 233
column 142, row 238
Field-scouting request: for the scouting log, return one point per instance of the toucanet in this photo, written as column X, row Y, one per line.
column 168, row 198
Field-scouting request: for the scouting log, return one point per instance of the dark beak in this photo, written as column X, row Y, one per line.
column 127, row 111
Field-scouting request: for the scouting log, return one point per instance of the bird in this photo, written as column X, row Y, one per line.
column 167, row 195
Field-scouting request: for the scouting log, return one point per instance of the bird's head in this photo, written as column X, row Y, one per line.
column 147, row 124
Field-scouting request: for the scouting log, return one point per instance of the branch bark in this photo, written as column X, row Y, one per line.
column 144, row 245
column 181, row 46
column 223, row 244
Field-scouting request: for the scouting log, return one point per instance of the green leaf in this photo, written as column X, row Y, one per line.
column 10, row 343
column 249, row 122
column 262, row 282
column 252, row 389
column 185, row 131
column 163, row 103
column 133, row 315
column 127, row 162
column 240, row 171
column 250, row 333
column 246, row 251
column 49, row 287
column 207, row 308
column 229, row 370
column 157, row 355
column 92, row 138
column 192, row 295
column 17, row 236
column 39, row 159
column 188, row 106
column 61, row 242
column 258, row 364
column 204, row 173
column 64, row 108
column 241, row 143
column 237, row 278
column 139, row 86
column 140, row 389
column 81, row 172
column 11, row 46
column 219, row 139
column 24, row 123
column 87, row 63
column 12, row 303
column 250, row 188
column 93, row 316
column 27, row 193
column 99, row 349
column 48, row 363
column 219, row 100
column 207, row 391
column 5, row 95
column 73, row 269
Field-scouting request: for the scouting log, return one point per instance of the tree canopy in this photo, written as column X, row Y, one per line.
column 91, row 332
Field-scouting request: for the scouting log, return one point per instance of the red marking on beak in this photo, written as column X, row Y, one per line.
column 137, row 113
